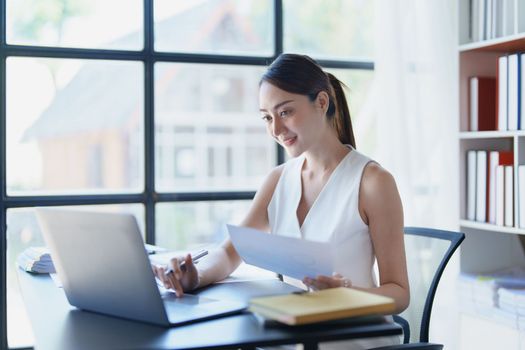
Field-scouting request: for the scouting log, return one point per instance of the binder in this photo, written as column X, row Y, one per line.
column 500, row 195
column 509, row 197
column 521, row 196
column 502, row 93
column 521, row 120
column 513, row 90
column 471, row 185
column 481, row 186
column 323, row 305
column 496, row 158
column 482, row 104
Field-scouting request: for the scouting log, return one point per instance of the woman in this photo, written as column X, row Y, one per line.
column 327, row 192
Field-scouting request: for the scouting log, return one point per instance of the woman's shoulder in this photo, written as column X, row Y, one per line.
column 271, row 180
column 378, row 192
column 275, row 173
column 376, row 177
column 377, row 184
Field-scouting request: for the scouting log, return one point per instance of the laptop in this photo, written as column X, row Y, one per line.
column 103, row 266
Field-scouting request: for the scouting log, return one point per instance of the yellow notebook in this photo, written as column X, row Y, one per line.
column 323, row 305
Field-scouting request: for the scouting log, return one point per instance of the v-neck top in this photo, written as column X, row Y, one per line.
column 333, row 217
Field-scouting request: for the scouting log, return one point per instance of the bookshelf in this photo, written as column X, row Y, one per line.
column 488, row 247
column 477, row 226
column 509, row 43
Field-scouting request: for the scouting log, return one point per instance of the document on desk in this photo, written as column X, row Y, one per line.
column 294, row 257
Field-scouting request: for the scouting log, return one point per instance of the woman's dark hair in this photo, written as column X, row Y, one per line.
column 300, row 74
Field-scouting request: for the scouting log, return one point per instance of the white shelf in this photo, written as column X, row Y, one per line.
column 487, row 247
column 465, row 135
column 506, row 44
column 491, row 228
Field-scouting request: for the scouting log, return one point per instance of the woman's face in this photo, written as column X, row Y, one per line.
column 292, row 120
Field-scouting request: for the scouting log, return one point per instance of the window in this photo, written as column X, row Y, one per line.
column 152, row 110
column 83, row 117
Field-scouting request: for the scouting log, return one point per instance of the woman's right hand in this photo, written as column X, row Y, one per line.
column 180, row 279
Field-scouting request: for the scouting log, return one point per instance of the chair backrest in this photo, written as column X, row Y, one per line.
column 428, row 252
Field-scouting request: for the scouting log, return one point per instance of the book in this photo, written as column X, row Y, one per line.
column 519, row 16
column 513, row 91
column 482, row 19
column 500, row 195
column 488, row 19
column 497, row 24
column 521, row 120
column 482, row 104
column 496, row 158
column 323, row 305
column 474, row 21
column 481, row 186
column 471, row 185
column 509, row 195
column 502, row 93
column 521, row 196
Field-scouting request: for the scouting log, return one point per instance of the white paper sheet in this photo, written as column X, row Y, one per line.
column 55, row 279
column 246, row 272
column 293, row 257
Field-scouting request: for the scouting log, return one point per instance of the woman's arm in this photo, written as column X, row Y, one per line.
column 223, row 260
column 381, row 209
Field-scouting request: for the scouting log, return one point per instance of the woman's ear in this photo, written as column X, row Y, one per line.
column 322, row 101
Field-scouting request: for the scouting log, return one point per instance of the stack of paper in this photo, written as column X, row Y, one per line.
column 324, row 305
column 512, row 300
column 36, row 259
column 479, row 293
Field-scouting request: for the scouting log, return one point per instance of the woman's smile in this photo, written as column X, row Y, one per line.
column 289, row 141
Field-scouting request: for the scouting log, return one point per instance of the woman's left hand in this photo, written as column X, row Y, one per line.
column 324, row 282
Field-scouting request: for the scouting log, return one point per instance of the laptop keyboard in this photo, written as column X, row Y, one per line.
column 187, row 299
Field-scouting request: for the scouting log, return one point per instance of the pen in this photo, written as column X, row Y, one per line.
column 195, row 258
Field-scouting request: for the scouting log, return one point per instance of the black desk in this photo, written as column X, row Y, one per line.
column 57, row 325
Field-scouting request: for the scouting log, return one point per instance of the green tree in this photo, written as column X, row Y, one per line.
column 33, row 18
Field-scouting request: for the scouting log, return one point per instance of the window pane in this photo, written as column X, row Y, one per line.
column 215, row 26
column 191, row 225
column 76, row 23
column 329, row 29
column 74, row 126
column 23, row 231
column 209, row 136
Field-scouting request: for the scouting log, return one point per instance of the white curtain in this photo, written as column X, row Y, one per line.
column 417, row 94
column 416, row 97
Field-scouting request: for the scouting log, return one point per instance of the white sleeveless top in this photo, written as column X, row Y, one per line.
column 334, row 217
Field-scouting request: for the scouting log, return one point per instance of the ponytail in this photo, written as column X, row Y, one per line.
column 339, row 112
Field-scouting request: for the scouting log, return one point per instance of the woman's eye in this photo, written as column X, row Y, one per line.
column 285, row 113
column 266, row 118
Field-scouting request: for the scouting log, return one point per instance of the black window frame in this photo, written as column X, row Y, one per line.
column 149, row 198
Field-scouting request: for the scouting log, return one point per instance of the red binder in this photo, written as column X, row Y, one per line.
column 482, row 104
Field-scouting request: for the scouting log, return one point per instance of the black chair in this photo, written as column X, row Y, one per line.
column 428, row 252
